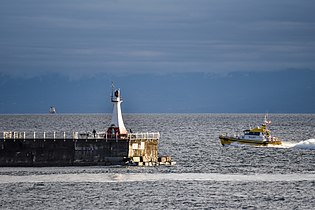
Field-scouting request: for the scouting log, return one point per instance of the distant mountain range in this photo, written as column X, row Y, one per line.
column 291, row 91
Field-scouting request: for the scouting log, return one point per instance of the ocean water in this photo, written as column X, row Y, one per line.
column 206, row 175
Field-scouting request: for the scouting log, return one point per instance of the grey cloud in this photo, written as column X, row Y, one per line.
column 156, row 36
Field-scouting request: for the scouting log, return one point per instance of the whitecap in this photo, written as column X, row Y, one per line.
column 307, row 144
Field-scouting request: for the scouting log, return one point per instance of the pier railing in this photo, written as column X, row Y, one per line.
column 8, row 135
column 132, row 136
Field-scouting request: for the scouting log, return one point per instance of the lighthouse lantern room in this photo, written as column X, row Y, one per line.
column 117, row 127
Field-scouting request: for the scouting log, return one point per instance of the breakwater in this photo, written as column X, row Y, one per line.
column 77, row 149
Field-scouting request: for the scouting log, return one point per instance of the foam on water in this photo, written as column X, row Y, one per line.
column 307, row 144
column 148, row 177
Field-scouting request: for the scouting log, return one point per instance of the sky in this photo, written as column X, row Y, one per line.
column 182, row 55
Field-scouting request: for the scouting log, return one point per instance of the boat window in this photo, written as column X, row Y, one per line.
column 252, row 133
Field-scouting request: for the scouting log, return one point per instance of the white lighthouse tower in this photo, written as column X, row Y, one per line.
column 117, row 127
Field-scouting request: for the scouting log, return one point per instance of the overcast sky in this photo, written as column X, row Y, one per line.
column 79, row 37
column 164, row 54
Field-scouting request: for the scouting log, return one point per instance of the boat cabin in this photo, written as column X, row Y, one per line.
column 251, row 133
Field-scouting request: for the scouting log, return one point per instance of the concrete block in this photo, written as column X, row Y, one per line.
column 136, row 159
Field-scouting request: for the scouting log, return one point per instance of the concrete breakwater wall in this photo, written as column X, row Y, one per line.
column 60, row 152
column 76, row 149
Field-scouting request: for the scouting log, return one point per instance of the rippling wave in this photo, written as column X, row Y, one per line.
column 207, row 175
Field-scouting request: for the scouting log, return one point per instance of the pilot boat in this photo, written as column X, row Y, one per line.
column 257, row 136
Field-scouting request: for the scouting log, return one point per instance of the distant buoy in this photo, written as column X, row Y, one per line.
column 52, row 110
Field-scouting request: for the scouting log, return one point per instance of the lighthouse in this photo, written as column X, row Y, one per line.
column 117, row 127
column 112, row 146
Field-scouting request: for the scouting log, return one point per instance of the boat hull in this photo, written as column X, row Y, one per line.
column 227, row 140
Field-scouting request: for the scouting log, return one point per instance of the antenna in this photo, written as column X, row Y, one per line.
column 113, row 89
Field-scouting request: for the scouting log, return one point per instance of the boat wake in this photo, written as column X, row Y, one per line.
column 306, row 144
column 148, row 177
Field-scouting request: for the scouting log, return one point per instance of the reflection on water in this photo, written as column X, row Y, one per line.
column 153, row 177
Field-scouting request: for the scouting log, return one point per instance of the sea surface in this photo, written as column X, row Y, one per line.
column 206, row 175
